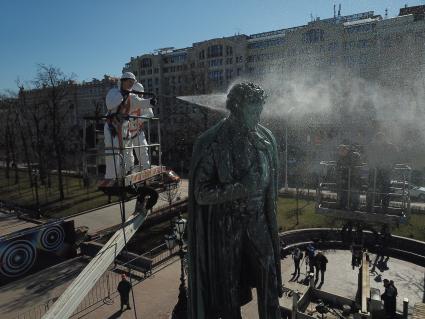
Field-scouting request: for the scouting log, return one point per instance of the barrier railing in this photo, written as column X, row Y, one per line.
column 105, row 289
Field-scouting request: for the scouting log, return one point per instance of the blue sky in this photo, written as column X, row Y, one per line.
column 95, row 37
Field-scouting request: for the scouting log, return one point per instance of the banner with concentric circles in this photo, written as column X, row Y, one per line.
column 17, row 257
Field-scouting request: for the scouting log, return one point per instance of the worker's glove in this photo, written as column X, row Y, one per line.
column 153, row 101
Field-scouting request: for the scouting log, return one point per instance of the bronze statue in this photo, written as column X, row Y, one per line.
column 233, row 235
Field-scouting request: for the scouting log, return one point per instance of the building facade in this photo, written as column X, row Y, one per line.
column 388, row 51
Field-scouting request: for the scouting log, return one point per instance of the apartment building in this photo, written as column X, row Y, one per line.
column 389, row 51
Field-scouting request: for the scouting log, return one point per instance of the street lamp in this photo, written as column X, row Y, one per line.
column 286, row 147
column 180, row 309
column 169, row 241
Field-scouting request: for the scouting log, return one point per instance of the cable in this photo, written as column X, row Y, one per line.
column 122, row 211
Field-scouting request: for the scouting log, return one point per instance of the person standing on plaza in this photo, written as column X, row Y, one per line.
column 297, row 255
column 310, row 250
column 394, row 299
column 320, row 262
column 124, row 288
column 389, row 297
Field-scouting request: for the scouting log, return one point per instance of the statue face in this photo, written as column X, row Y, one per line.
column 250, row 115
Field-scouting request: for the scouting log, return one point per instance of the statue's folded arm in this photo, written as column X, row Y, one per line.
column 208, row 190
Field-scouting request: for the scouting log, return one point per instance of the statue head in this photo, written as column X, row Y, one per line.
column 245, row 102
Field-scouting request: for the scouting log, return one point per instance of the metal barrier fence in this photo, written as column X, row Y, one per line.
column 105, row 290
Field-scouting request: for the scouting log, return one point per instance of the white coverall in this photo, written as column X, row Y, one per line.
column 133, row 103
column 138, row 136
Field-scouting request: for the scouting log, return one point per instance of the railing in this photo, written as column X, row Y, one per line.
column 358, row 191
column 104, row 290
column 95, row 152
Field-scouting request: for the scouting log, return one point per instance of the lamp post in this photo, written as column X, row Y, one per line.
column 286, row 147
column 180, row 309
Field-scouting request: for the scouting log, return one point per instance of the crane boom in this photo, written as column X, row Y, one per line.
column 80, row 287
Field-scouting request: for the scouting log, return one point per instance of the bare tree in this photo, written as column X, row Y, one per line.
column 25, row 132
column 9, row 133
column 56, row 85
column 171, row 194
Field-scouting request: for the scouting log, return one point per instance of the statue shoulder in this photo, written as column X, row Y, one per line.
column 267, row 134
column 206, row 139
column 209, row 135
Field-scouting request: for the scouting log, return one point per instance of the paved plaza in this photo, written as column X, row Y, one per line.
column 156, row 296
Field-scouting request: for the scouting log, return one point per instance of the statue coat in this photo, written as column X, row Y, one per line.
column 205, row 213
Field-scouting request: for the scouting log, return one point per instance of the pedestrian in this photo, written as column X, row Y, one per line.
column 388, row 297
column 309, row 252
column 320, row 261
column 394, row 299
column 297, row 256
column 356, row 255
column 124, row 288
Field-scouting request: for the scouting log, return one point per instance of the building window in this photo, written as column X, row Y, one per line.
column 146, row 63
column 420, row 37
column 229, row 74
column 229, row 60
column 360, row 28
column 266, row 43
column 313, row 36
column 387, row 42
column 202, row 55
column 156, row 70
column 216, row 75
column 332, row 47
column 215, row 51
column 156, row 81
column 229, row 50
column 149, row 71
column 215, row 62
column 239, row 59
column 363, row 44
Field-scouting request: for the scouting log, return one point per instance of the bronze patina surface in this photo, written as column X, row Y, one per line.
column 233, row 236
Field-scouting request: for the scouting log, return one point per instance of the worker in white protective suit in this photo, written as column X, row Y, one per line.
column 136, row 128
column 120, row 102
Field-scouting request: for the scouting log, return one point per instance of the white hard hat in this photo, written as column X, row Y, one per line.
column 128, row 75
column 113, row 98
column 138, row 87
